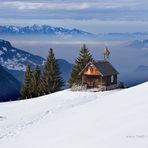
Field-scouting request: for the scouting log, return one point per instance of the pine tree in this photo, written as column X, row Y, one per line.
column 51, row 75
column 84, row 58
column 26, row 91
column 37, row 82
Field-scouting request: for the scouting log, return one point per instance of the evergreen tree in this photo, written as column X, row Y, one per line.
column 84, row 58
column 51, row 75
column 26, row 91
column 37, row 82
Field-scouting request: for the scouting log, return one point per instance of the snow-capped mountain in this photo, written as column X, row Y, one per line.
column 41, row 29
column 15, row 60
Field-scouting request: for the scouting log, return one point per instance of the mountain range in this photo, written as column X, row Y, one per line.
column 61, row 32
column 40, row 29
column 15, row 60
column 138, row 44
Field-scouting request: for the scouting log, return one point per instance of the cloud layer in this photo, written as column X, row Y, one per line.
column 60, row 9
column 79, row 12
column 20, row 5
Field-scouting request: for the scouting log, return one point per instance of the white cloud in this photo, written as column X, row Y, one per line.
column 22, row 5
column 64, row 5
column 125, row 10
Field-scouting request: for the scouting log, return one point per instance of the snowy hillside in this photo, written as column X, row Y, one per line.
column 112, row 119
column 16, row 59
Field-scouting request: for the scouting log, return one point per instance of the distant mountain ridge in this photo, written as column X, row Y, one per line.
column 40, row 29
column 65, row 32
column 139, row 44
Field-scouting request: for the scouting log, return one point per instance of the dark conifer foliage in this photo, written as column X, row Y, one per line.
column 37, row 82
column 51, row 74
column 83, row 59
column 26, row 91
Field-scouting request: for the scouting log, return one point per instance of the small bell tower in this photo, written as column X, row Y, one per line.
column 106, row 53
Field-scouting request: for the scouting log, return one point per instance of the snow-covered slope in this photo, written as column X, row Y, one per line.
column 16, row 59
column 112, row 119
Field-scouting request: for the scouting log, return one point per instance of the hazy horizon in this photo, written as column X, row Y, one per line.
column 96, row 16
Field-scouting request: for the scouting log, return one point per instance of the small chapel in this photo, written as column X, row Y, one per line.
column 99, row 73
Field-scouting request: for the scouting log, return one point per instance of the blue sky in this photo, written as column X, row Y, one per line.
column 89, row 15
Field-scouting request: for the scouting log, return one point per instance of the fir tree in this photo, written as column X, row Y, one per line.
column 80, row 63
column 51, row 75
column 26, row 91
column 37, row 82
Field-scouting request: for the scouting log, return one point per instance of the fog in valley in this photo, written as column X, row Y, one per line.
column 128, row 56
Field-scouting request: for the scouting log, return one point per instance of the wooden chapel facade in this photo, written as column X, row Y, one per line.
column 99, row 73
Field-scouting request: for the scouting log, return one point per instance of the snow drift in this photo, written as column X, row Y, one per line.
column 66, row 119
